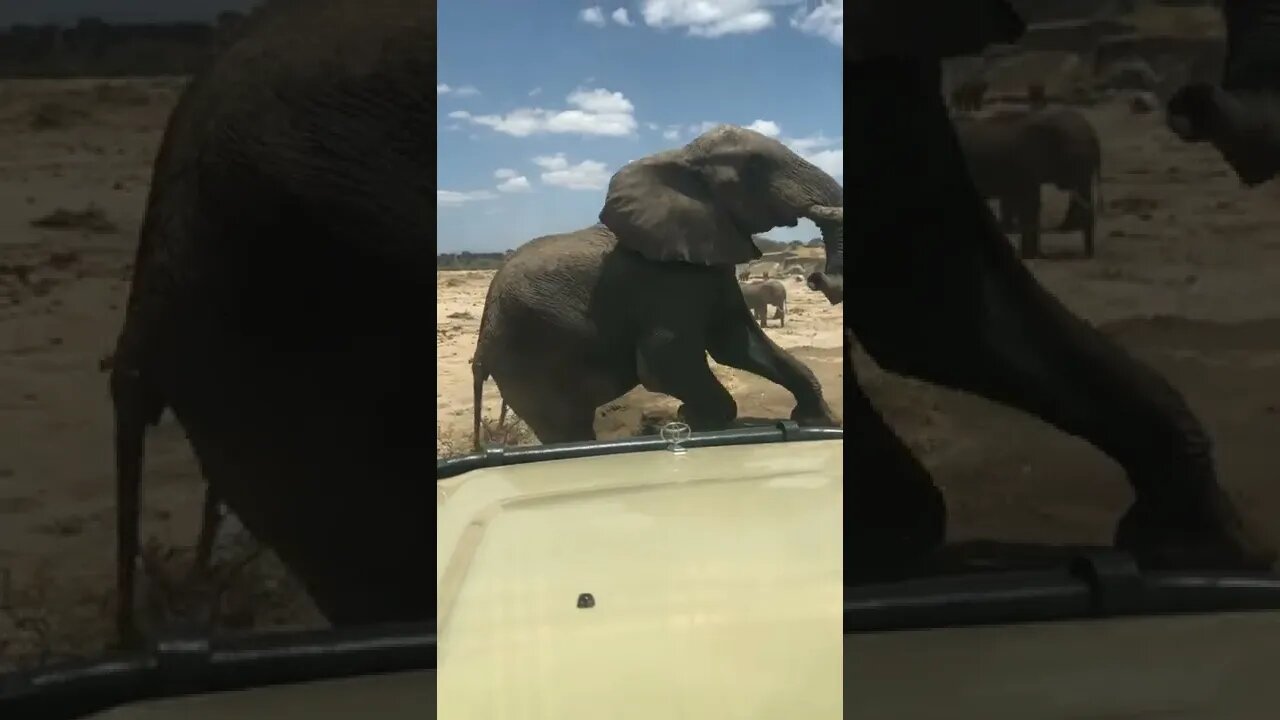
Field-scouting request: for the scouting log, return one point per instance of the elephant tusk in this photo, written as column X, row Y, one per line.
column 825, row 213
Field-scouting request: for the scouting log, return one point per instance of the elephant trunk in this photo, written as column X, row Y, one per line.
column 830, row 280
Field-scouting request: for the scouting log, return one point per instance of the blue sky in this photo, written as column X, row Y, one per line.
column 540, row 102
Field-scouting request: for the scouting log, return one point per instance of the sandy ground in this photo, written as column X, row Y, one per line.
column 1180, row 238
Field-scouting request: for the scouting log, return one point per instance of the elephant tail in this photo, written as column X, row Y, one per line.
column 1099, row 204
column 478, row 375
column 136, row 406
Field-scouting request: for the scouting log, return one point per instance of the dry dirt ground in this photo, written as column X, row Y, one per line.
column 1187, row 276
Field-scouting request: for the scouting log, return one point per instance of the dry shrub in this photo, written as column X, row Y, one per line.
column 92, row 219
column 56, row 115
column 512, row 432
column 37, row 628
column 44, row 620
column 245, row 588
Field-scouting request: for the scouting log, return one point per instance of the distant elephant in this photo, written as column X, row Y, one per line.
column 760, row 295
column 284, row 264
column 1240, row 117
column 1037, row 97
column 575, row 320
column 968, row 94
column 1011, row 155
column 1129, row 74
column 935, row 292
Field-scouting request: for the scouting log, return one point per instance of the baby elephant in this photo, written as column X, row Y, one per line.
column 760, row 295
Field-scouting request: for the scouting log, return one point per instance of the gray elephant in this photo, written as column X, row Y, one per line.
column 935, row 292
column 573, row 321
column 1241, row 116
column 760, row 295
column 284, row 261
column 1012, row 154
column 968, row 94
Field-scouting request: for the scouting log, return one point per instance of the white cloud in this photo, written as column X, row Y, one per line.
column 717, row 18
column 620, row 16
column 453, row 198
column 535, row 92
column 768, row 128
column 462, row 91
column 826, row 21
column 699, row 128
column 504, row 173
column 708, row 18
column 592, row 112
column 519, row 183
column 592, row 16
column 586, row 175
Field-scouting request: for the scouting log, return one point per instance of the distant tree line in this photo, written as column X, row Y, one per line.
column 466, row 260
column 766, row 245
column 95, row 48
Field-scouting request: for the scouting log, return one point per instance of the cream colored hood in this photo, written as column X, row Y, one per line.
column 715, row 575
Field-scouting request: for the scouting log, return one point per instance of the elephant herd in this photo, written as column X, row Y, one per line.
column 285, row 258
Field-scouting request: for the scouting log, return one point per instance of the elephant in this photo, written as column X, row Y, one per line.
column 1037, row 97
column 275, row 308
column 969, row 94
column 575, row 320
column 1240, row 117
column 1011, row 154
column 760, row 295
column 936, row 293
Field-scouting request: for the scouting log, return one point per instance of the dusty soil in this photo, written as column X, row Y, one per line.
column 1180, row 238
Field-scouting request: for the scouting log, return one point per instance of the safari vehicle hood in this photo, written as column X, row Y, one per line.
column 644, row 584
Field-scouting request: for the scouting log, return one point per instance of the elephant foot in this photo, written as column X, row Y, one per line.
column 820, row 416
column 892, row 528
column 1209, row 535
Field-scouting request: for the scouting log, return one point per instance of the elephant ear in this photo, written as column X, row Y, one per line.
column 661, row 207
column 930, row 28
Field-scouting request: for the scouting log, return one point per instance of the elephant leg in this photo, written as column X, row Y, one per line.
column 896, row 516
column 555, row 411
column 973, row 318
column 1086, row 214
column 1028, row 215
column 1089, row 230
column 745, row 346
column 210, row 520
column 677, row 366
